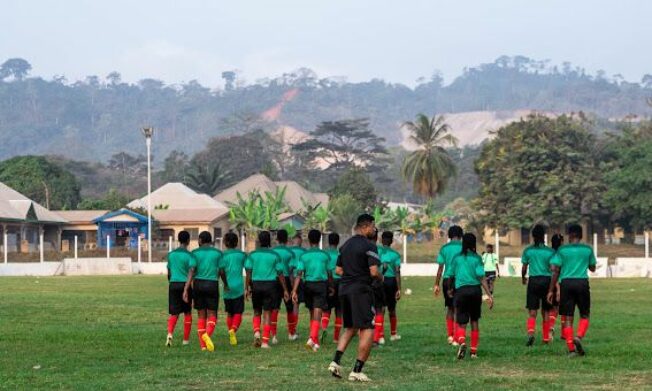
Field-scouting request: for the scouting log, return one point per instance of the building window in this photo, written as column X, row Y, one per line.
column 194, row 233
column 217, row 232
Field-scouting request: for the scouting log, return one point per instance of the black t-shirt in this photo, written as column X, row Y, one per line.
column 356, row 256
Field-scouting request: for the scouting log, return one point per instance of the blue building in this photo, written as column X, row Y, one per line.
column 122, row 226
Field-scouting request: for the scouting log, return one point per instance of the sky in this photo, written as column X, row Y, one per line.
column 398, row 41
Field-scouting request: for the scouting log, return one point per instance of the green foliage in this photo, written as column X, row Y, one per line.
column 345, row 212
column 17, row 68
column 175, row 167
column 112, row 201
column 258, row 212
column 42, row 181
column 358, row 184
column 539, row 170
column 206, row 176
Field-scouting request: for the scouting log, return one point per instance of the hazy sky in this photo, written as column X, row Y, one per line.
column 397, row 40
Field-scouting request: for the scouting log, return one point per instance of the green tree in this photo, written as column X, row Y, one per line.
column 42, row 181
column 539, row 169
column 206, row 176
column 18, row 68
column 345, row 212
column 247, row 216
column 429, row 167
column 358, row 184
column 175, row 167
column 112, row 201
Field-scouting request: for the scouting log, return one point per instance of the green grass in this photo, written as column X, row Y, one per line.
column 108, row 333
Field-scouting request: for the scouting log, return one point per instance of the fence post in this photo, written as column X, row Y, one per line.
column 404, row 248
column 595, row 244
column 139, row 244
column 647, row 245
column 243, row 245
column 5, row 245
column 170, row 243
column 108, row 246
column 75, row 246
column 40, row 245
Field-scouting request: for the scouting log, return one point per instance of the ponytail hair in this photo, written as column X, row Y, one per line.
column 468, row 243
column 538, row 234
column 556, row 241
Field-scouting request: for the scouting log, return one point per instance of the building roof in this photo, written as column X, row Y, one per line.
column 293, row 195
column 17, row 207
column 176, row 202
column 121, row 215
column 81, row 216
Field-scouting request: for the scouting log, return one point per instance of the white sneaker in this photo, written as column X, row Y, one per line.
column 293, row 337
column 257, row 340
column 381, row 341
column 335, row 369
column 450, row 340
column 395, row 338
column 265, row 346
column 358, row 376
column 168, row 341
column 311, row 346
column 186, row 342
column 274, row 340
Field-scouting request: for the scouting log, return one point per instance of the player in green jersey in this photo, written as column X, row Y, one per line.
column 333, row 300
column 264, row 271
column 297, row 250
column 491, row 269
column 287, row 258
column 232, row 263
column 391, row 266
column 179, row 297
column 444, row 258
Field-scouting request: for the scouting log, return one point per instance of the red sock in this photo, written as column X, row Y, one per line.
column 531, row 325
column 274, row 321
column 338, row 327
column 314, row 331
column 237, row 320
column 256, row 322
column 455, row 326
column 172, row 323
column 460, row 334
column 187, row 326
column 378, row 329
column 201, row 330
column 545, row 330
column 475, row 339
column 229, row 322
column 296, row 320
column 450, row 327
column 382, row 326
column 292, row 329
column 563, row 327
column 210, row 325
column 325, row 319
column 393, row 324
column 568, row 334
column 582, row 326
column 266, row 330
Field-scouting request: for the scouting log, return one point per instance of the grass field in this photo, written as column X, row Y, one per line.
column 108, row 333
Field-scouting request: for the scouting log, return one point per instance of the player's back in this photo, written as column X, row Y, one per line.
column 390, row 259
column 356, row 256
column 264, row 264
column 446, row 255
column 575, row 259
column 179, row 261
column 333, row 254
column 286, row 258
column 538, row 257
column 467, row 269
column 314, row 263
column 208, row 262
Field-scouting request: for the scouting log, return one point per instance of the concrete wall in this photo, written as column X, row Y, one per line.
column 149, row 268
column 96, row 266
column 31, row 269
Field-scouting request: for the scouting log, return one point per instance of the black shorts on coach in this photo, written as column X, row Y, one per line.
column 575, row 292
column 449, row 302
column 206, row 295
column 391, row 287
column 358, row 309
column 264, row 295
column 537, row 292
column 176, row 305
column 334, row 300
column 234, row 306
column 315, row 294
column 468, row 304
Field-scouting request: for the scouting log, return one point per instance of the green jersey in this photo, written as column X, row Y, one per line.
column 390, row 261
column 179, row 262
column 574, row 260
column 314, row 264
column 297, row 251
column 467, row 270
column 333, row 254
column 538, row 258
column 446, row 255
column 265, row 265
column 233, row 261
column 489, row 261
column 206, row 263
column 286, row 258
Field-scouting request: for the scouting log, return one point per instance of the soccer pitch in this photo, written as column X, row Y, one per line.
column 109, row 333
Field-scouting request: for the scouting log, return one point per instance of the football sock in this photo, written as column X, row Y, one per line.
column 187, row 326
column 393, row 324
column 338, row 356
column 274, row 321
column 357, row 368
column 338, row 328
column 475, row 339
column 552, row 318
column 531, row 325
column 237, row 320
column 545, row 330
column 256, row 323
column 210, row 325
column 266, row 330
column 378, row 329
column 229, row 322
column 201, row 330
column 172, row 323
column 325, row 319
column 450, row 327
column 314, row 331
column 292, row 324
column 460, row 334
column 568, row 334
column 563, row 327
column 582, row 326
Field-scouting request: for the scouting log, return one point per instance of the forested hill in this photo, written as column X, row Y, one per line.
column 100, row 116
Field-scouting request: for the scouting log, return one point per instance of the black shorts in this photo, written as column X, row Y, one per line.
column 358, row 309
column 334, row 300
column 176, row 305
column 575, row 292
column 234, row 306
column 449, row 302
column 315, row 295
column 391, row 287
column 206, row 295
column 490, row 276
column 264, row 295
column 468, row 304
column 537, row 292
column 379, row 295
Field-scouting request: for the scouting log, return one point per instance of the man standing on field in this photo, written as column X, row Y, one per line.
column 358, row 264
column 179, row 262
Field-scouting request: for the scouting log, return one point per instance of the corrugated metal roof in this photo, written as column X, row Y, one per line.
column 15, row 206
column 81, row 216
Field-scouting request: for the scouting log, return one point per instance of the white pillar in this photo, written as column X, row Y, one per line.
column 243, row 245
column 40, row 245
column 647, row 245
column 75, row 246
column 108, row 246
column 404, row 248
column 595, row 244
column 545, row 239
column 170, row 243
column 148, row 142
column 497, row 245
column 6, row 249
column 321, row 242
column 139, row 244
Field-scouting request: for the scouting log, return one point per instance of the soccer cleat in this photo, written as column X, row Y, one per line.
column 474, row 355
column 168, row 341
column 208, row 341
column 395, row 337
column 455, row 343
column 265, row 346
column 578, row 346
column 450, row 340
column 358, row 376
column 185, row 342
column 461, row 352
column 274, row 340
column 530, row 341
column 572, row 354
column 203, row 349
column 233, row 340
column 293, row 337
column 257, row 340
column 381, row 341
column 324, row 333
column 310, row 346
column 335, row 369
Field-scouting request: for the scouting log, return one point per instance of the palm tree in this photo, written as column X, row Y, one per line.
column 429, row 167
column 272, row 205
column 246, row 215
column 206, row 177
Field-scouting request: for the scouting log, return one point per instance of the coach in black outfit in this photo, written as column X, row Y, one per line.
column 359, row 266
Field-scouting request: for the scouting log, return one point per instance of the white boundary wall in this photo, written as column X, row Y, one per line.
column 632, row 267
column 96, row 266
column 511, row 267
column 31, row 269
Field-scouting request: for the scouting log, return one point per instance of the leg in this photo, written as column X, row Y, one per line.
column 267, row 327
column 545, row 325
column 393, row 322
column 187, row 327
column 211, row 322
column 315, row 320
column 450, row 325
column 201, row 327
column 475, row 337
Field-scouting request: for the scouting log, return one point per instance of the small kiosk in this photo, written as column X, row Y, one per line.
column 122, row 227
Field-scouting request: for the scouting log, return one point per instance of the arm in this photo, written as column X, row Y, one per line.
column 398, row 283
column 339, row 271
column 524, row 274
column 331, row 284
column 490, row 298
column 553, row 282
column 186, row 288
column 224, row 281
column 497, row 270
column 440, row 271
column 281, row 279
column 295, row 288
column 375, row 273
column 248, row 284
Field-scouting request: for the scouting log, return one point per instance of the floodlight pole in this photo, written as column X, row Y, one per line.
column 148, row 132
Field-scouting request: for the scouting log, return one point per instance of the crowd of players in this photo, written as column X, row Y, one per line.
column 361, row 280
